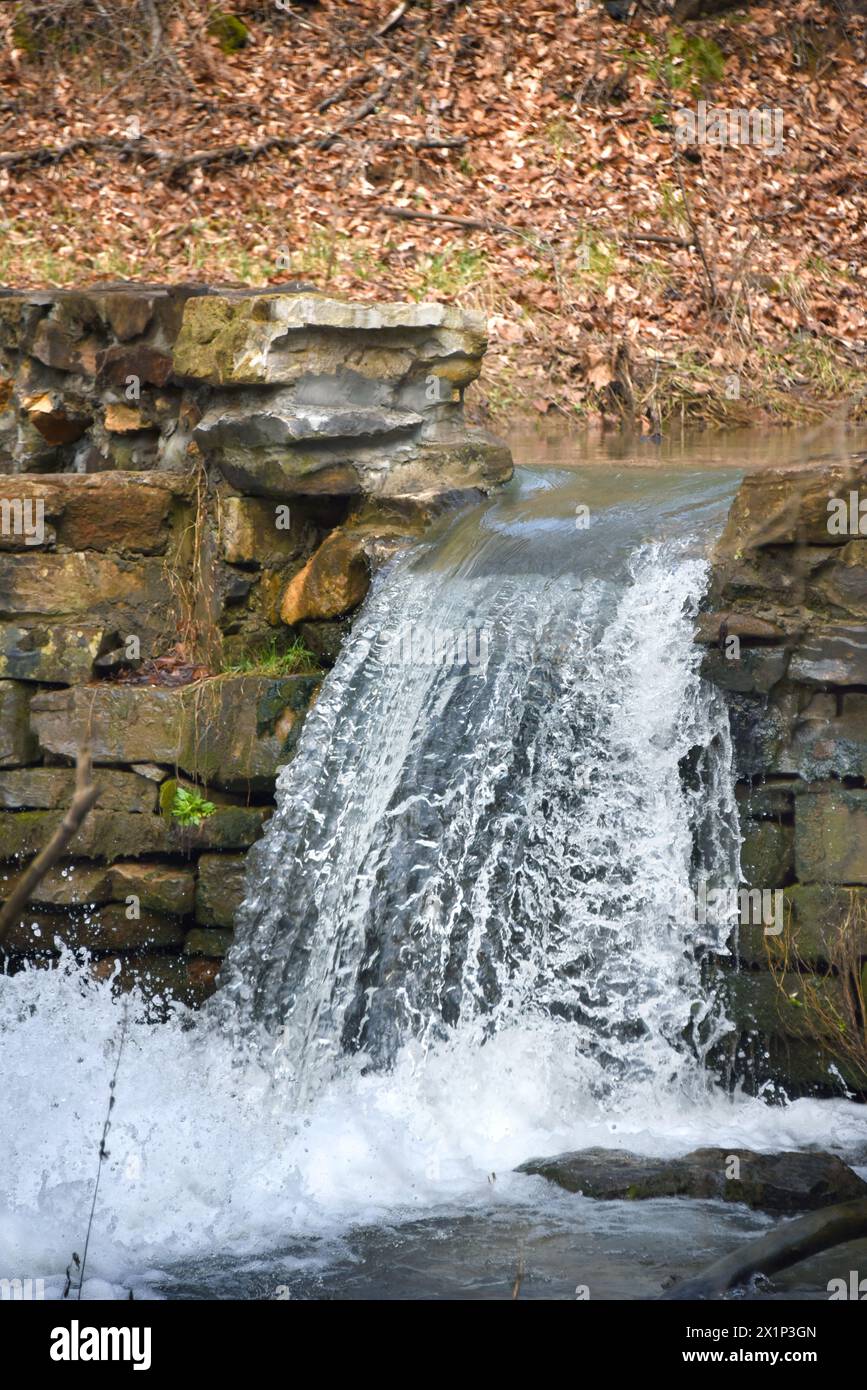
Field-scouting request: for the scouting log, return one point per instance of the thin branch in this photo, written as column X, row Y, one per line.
column 103, row 1152
column 86, row 794
column 482, row 224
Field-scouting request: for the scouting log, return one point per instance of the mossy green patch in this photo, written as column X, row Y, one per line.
column 229, row 31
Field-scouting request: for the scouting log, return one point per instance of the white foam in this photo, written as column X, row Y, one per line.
column 205, row 1161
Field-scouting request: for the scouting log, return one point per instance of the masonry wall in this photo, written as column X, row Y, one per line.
column 194, row 490
column 786, row 639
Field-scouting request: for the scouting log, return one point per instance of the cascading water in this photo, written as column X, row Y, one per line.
column 487, row 820
column 467, row 940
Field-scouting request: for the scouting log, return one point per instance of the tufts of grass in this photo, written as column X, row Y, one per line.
column 451, row 272
column 276, row 660
column 595, row 259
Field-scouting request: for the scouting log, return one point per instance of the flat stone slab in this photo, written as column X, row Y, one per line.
column 836, row 654
column 276, row 338
column 284, row 423
column 783, row 1182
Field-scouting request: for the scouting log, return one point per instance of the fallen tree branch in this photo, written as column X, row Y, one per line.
column 54, row 155
column 475, row 223
column 142, row 152
column 482, row 224
column 785, row 1246
column 227, row 154
column 445, row 142
column 86, row 794
column 246, row 154
column 365, row 109
column 348, row 86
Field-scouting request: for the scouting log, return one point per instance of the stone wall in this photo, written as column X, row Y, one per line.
column 194, row 489
column 786, row 638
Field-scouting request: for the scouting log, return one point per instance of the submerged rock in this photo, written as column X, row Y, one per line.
column 782, row 1182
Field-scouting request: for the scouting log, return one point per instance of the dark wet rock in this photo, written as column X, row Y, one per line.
column 234, row 730
column 220, row 888
column 784, row 1182
column 207, row 942
column 17, row 741
column 114, row 927
column 755, row 671
column 767, row 855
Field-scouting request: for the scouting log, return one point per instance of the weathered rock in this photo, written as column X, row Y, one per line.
column 65, row 885
column 829, row 738
column 815, row 917
column 46, row 788
column 333, row 582
column 804, row 1067
column 835, row 654
column 97, row 929
column 134, row 595
column 220, row 888
column 757, row 1003
column 280, row 422
column 780, row 506
column 57, row 419
column 127, row 724
column 450, row 458
column 51, row 652
column 160, row 979
column 731, row 623
column 151, row 771
column 163, row 888
column 782, row 1182
column 117, row 364
column 257, row 532
column 767, row 801
column 111, row 835
column 124, row 419
column 831, row 835
column 756, row 671
column 232, row 731
column 125, row 512
column 767, row 855
column 277, row 473
column 325, row 639
column 840, row 586
column 202, row 976
column 207, row 942
column 57, row 345
column 17, row 741
column 278, row 338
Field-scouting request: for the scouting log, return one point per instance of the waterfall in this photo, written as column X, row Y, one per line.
column 467, row 940
column 488, row 821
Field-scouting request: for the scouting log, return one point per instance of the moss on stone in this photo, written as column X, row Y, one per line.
column 229, row 31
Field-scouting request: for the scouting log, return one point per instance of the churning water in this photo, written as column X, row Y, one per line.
column 464, row 943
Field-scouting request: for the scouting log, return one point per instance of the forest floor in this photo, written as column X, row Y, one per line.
column 623, row 273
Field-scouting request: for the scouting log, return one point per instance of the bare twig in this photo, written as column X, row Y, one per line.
column 348, row 86
column 103, row 1152
column 86, row 794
